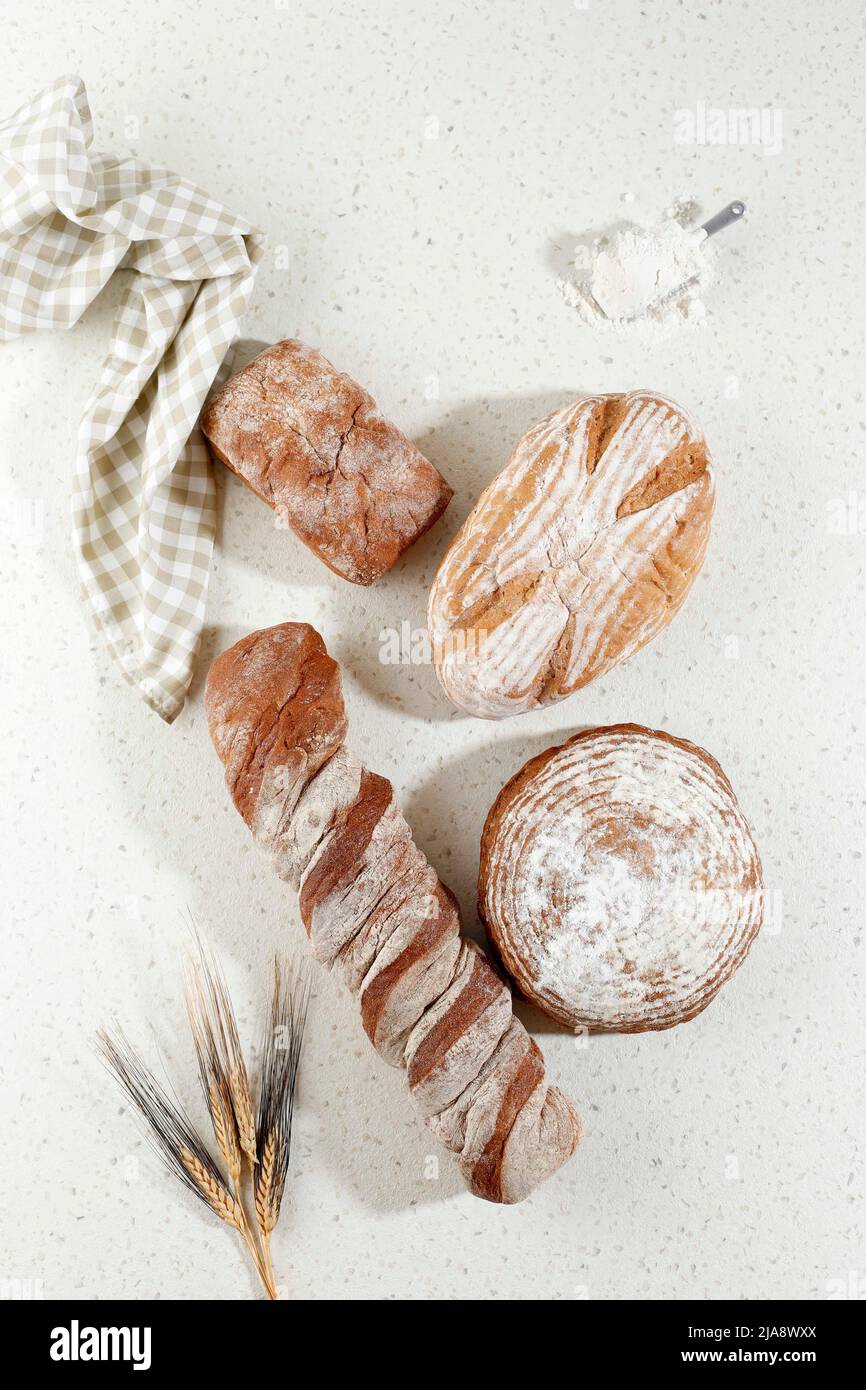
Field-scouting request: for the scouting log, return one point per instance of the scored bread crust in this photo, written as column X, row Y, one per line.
column 377, row 914
column 313, row 444
column 575, row 556
column 618, row 880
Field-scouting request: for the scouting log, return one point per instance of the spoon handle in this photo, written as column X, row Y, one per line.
column 732, row 213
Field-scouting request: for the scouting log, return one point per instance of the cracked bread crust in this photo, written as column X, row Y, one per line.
column 378, row 916
column 312, row 443
column 575, row 556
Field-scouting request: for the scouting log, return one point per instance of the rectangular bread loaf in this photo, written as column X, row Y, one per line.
column 313, row 444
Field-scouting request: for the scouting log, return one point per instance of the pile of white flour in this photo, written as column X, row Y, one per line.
column 639, row 277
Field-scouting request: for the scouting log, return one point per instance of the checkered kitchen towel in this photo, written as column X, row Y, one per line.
column 143, row 495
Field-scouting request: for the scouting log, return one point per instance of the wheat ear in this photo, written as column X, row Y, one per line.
column 214, row 1192
column 281, row 1053
column 215, row 1033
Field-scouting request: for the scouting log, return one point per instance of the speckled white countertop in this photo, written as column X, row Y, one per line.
column 421, row 171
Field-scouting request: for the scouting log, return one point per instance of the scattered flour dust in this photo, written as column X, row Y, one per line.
column 637, row 277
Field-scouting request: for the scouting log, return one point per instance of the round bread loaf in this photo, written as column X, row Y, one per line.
column 619, row 880
column 575, row 557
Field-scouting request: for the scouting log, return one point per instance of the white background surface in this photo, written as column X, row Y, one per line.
column 426, row 168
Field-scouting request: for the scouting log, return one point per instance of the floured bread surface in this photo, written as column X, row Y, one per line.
column 574, row 557
column 378, row 916
column 312, row 443
column 619, row 880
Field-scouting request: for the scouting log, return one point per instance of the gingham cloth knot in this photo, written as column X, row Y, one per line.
column 143, row 491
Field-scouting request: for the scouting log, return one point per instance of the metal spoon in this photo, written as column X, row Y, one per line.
column 732, row 213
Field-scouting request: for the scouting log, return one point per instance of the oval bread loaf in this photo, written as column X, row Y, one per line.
column 574, row 557
column 619, row 880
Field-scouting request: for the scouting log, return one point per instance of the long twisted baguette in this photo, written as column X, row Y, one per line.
column 376, row 912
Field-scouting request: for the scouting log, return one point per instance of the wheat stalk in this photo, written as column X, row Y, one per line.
column 224, row 1080
column 281, row 1054
column 221, row 1062
column 174, row 1136
column 239, row 1137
